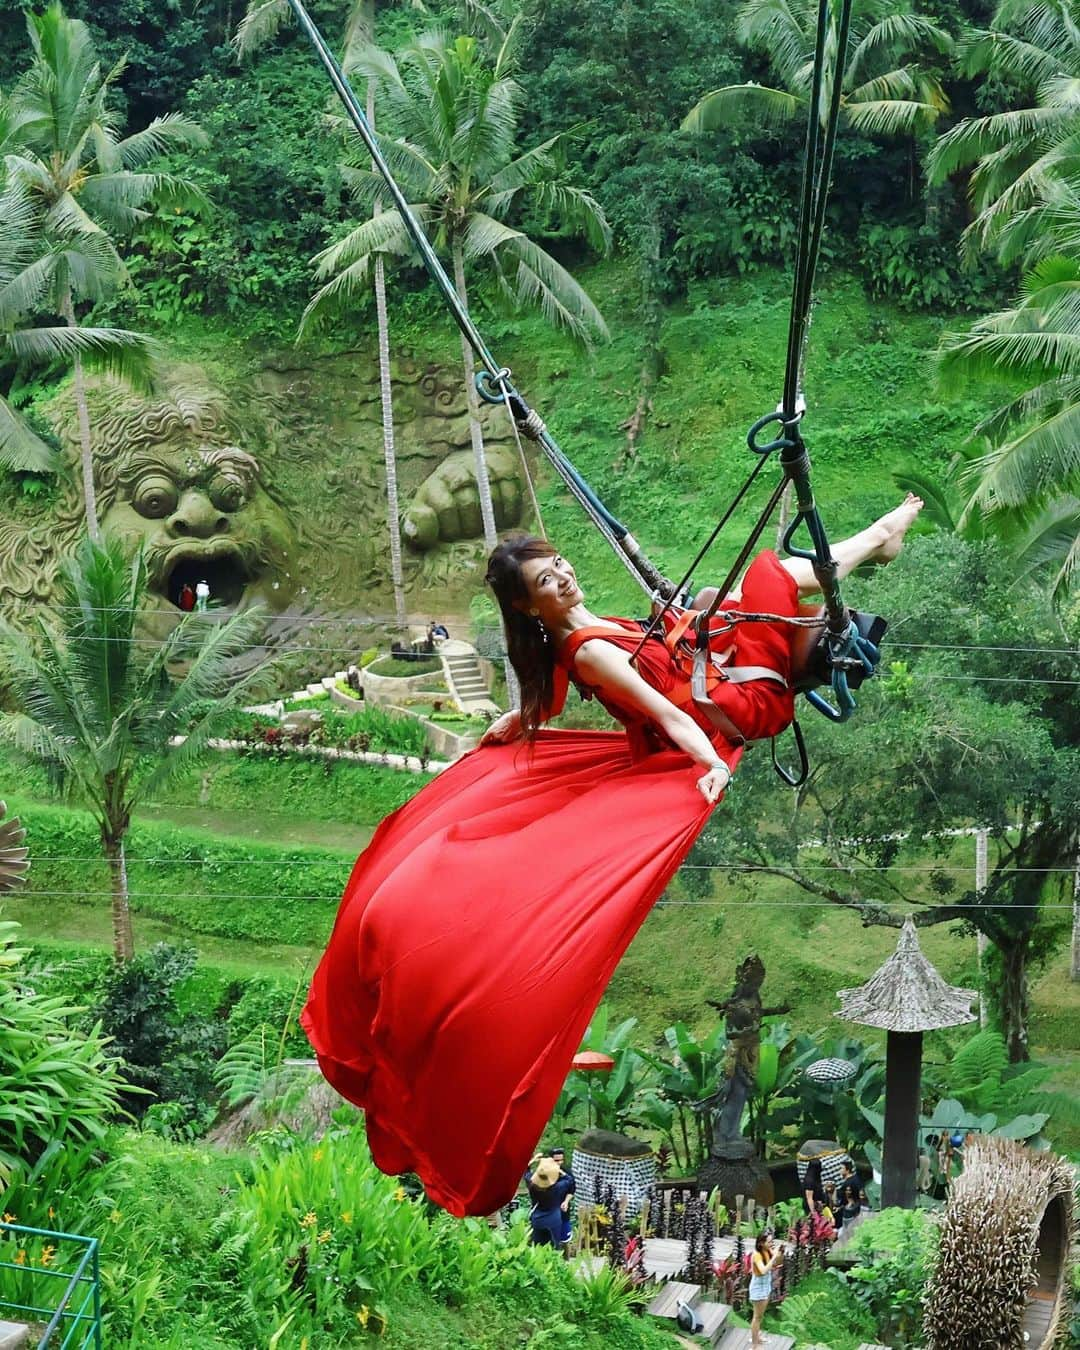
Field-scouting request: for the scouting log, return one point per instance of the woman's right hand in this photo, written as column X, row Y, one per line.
column 504, row 728
column 715, row 782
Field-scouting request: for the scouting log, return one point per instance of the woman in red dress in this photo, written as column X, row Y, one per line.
column 480, row 927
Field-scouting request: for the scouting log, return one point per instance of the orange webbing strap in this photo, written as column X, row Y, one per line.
column 679, row 628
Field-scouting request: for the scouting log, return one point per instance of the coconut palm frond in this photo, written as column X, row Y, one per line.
column 898, row 83
column 1051, row 548
column 21, row 449
column 337, row 296
column 1042, row 459
column 736, row 102
column 893, row 34
column 970, row 140
column 384, row 233
column 1006, row 56
column 527, row 168
column 543, row 282
column 164, row 133
column 890, row 117
column 260, row 25
column 123, row 355
column 575, row 209
column 779, row 28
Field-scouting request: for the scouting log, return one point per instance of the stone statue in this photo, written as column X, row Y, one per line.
column 733, row 1167
column 743, row 1012
column 272, row 488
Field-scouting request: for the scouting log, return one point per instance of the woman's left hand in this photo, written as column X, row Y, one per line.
column 712, row 784
column 504, row 728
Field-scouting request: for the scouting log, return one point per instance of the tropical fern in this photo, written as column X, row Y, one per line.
column 253, row 1070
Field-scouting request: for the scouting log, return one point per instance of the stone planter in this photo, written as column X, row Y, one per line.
column 390, row 689
column 346, row 701
column 445, row 743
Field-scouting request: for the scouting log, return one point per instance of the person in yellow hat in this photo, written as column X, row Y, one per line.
column 549, row 1191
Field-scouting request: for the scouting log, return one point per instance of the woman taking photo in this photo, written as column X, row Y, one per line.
column 480, row 927
column 767, row 1254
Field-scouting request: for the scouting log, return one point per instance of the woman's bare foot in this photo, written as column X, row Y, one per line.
column 896, row 525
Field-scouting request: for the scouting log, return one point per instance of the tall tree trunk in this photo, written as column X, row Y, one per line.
column 393, row 516
column 1013, row 998
column 483, row 486
column 87, row 454
column 981, row 940
column 393, row 513
column 652, row 358
column 123, row 938
column 1075, row 971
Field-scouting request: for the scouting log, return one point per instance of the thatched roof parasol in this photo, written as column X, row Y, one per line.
column 907, row 993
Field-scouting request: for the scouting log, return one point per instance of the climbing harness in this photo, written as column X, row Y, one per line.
column 847, row 651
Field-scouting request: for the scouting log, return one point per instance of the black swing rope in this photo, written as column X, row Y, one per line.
column 844, row 649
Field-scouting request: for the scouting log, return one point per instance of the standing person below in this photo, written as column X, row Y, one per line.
column 813, row 1187
column 849, row 1195
column 559, row 1156
column 549, row 1192
column 766, row 1255
column 187, row 597
column 202, row 595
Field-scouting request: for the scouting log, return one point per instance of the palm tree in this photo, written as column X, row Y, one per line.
column 885, row 92
column 101, row 711
column 1019, row 154
column 262, row 20
column 1027, row 481
column 91, row 181
column 33, row 269
column 452, row 147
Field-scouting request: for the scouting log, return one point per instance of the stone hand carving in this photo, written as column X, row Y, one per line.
column 446, row 507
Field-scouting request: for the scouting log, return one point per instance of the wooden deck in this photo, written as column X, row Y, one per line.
column 738, row 1338
column 667, row 1299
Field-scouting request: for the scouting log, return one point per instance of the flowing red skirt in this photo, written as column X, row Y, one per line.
column 475, row 938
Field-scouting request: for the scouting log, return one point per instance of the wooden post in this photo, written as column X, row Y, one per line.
column 903, row 1092
column 1075, row 970
column 980, row 936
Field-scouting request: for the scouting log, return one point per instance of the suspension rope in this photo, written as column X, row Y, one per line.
column 492, row 383
column 504, row 375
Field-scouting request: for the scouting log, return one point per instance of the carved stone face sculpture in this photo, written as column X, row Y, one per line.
column 175, row 482
column 203, row 516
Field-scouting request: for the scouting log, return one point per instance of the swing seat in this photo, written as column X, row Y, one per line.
column 810, row 650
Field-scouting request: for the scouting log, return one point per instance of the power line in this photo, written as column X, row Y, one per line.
column 378, row 620
column 711, row 904
column 275, row 649
column 765, row 869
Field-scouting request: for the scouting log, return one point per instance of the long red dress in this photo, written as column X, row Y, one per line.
column 482, row 923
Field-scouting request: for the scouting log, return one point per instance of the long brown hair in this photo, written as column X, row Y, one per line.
column 531, row 653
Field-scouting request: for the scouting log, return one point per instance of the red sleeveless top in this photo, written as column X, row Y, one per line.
column 760, row 708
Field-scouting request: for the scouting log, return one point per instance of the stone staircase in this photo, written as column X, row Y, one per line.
column 14, row 1335
column 713, row 1317
column 461, row 670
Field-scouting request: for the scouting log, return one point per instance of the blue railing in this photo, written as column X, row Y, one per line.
column 72, row 1319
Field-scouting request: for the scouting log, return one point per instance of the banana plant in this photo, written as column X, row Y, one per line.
column 608, row 1101
column 684, row 1079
